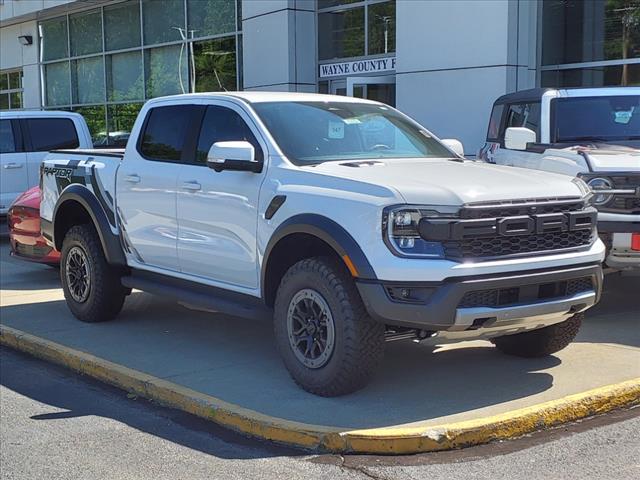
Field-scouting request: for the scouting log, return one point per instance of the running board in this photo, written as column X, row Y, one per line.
column 199, row 296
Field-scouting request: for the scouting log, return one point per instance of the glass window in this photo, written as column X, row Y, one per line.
column 625, row 75
column 4, row 101
column 57, row 83
column 53, row 37
column 166, row 71
column 215, row 65
column 341, row 34
column 382, row 27
column 88, row 80
column 120, row 120
column 4, row 81
column 15, row 80
column 122, row 26
column 7, row 139
column 211, row 17
column 86, row 33
column 52, row 134
column 15, row 99
column 163, row 21
column 524, row 115
column 317, row 132
column 578, row 31
column 334, row 3
column 124, row 76
column 165, row 131
column 222, row 124
column 610, row 118
column 493, row 134
column 95, row 118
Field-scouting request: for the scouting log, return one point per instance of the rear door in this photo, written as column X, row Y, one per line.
column 217, row 211
column 43, row 135
column 146, row 186
column 13, row 163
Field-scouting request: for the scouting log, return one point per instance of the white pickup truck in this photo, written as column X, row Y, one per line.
column 343, row 220
column 25, row 139
column 593, row 133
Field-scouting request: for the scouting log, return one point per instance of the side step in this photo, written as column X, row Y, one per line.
column 199, row 295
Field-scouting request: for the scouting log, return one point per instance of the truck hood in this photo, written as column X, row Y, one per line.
column 446, row 182
column 613, row 158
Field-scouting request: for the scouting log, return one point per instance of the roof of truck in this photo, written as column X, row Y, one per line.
column 37, row 114
column 259, row 97
column 535, row 94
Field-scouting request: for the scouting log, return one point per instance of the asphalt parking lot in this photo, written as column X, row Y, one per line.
column 236, row 361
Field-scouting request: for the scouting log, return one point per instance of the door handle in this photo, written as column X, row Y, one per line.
column 193, row 186
column 132, row 178
column 12, row 165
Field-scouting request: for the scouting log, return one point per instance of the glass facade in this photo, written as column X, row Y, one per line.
column 105, row 62
column 10, row 90
column 349, row 28
column 590, row 43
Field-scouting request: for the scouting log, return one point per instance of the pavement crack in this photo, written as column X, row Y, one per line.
column 360, row 469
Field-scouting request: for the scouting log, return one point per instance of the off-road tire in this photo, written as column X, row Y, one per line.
column 359, row 341
column 542, row 342
column 106, row 293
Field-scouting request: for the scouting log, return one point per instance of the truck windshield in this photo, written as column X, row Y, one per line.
column 596, row 119
column 309, row 133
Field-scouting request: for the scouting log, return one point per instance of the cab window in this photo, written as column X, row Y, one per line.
column 493, row 133
column 7, row 137
column 524, row 115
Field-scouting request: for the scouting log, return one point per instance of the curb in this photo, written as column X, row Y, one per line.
column 392, row 440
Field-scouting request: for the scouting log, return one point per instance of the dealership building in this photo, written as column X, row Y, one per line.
column 443, row 62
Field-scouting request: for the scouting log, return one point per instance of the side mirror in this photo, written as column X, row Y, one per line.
column 455, row 145
column 233, row 156
column 516, row 138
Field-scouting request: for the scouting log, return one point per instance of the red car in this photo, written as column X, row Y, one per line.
column 24, row 230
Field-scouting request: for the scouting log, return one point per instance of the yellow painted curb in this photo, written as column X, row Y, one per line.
column 392, row 440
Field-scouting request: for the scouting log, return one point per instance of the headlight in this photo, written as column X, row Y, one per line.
column 600, row 183
column 400, row 228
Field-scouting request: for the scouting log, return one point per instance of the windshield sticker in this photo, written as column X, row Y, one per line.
column 352, row 121
column 623, row 116
column 336, row 130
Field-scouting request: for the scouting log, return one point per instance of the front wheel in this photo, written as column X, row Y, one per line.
column 91, row 286
column 328, row 342
column 542, row 342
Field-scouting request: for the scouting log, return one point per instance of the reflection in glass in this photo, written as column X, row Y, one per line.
column 166, row 70
column 215, row 65
column 122, row 26
column 120, row 119
column 85, row 30
column 88, row 80
column 15, row 80
column 95, row 118
column 341, row 34
column 626, row 75
column 56, row 77
column 163, row 21
column 4, row 81
column 382, row 27
column 124, row 76
column 211, row 17
column 333, row 3
column 53, row 38
column 16, row 99
column 577, row 31
column 4, row 101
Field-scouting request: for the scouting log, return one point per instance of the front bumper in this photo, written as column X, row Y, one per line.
column 457, row 306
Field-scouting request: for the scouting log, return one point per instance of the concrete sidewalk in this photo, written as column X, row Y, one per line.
column 235, row 360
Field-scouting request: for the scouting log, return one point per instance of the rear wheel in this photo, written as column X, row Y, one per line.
column 91, row 286
column 542, row 342
column 328, row 342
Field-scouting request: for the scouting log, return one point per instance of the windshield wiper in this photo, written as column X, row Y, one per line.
column 588, row 138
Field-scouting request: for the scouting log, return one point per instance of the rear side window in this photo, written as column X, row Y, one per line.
column 493, row 134
column 222, row 124
column 52, row 134
column 524, row 115
column 7, row 137
column 165, row 131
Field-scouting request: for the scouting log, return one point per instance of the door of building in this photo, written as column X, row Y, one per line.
column 381, row 89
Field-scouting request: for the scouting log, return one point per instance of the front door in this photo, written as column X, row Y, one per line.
column 381, row 89
column 217, row 211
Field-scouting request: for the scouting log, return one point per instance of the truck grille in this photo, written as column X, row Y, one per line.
column 624, row 203
column 502, row 297
column 502, row 246
column 520, row 207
